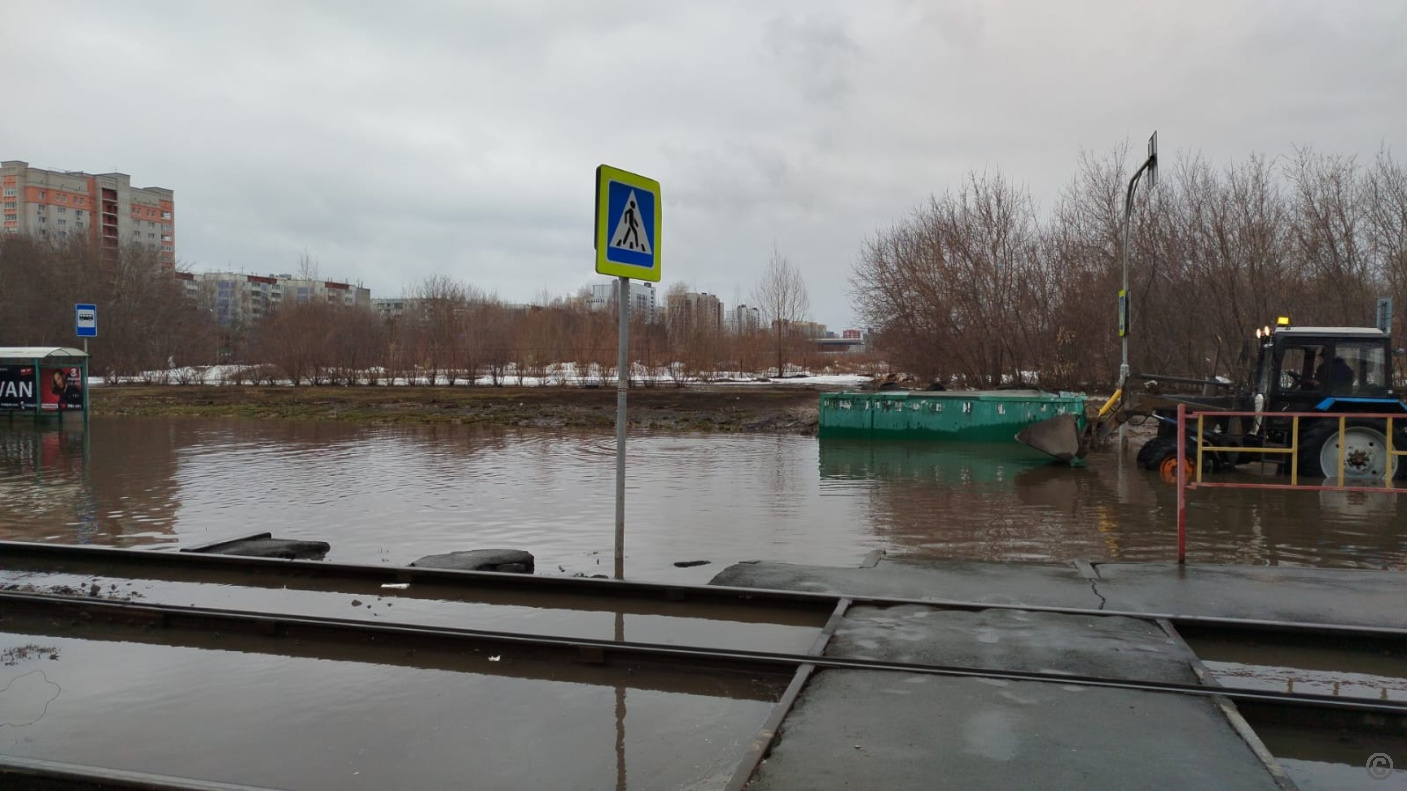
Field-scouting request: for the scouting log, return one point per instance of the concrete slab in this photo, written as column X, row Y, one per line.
column 1329, row 596
column 864, row 729
column 1083, row 645
column 1356, row 597
column 1031, row 584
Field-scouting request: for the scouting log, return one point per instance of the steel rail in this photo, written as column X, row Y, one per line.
column 587, row 594
column 1232, row 714
column 34, row 774
column 77, row 610
column 761, row 745
column 599, row 594
column 473, row 650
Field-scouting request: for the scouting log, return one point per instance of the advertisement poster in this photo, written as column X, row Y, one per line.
column 17, row 387
column 60, row 389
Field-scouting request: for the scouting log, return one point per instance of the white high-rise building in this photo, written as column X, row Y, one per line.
column 642, row 299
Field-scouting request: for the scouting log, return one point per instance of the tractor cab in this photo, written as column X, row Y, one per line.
column 1304, row 369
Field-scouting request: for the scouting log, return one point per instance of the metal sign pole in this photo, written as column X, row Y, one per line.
column 622, row 385
column 1150, row 165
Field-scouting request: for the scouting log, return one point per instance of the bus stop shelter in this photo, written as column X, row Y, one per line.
column 43, row 380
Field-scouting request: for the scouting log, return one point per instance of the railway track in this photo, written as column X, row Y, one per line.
column 774, row 676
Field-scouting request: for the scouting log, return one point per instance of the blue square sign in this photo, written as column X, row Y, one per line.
column 627, row 224
column 632, row 237
column 85, row 320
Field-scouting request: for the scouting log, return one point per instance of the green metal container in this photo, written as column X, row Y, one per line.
column 963, row 416
column 956, row 463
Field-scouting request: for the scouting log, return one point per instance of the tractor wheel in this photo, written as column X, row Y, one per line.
column 1365, row 452
column 1160, row 455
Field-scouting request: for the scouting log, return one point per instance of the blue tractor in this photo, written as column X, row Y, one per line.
column 1298, row 369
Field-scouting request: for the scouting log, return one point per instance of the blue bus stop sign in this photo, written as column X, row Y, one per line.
column 85, row 320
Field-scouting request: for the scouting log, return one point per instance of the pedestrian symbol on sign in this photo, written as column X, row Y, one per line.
column 627, row 233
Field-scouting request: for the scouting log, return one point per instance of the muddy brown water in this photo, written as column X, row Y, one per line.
column 391, row 495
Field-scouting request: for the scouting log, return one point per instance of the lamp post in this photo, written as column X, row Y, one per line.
column 1151, row 166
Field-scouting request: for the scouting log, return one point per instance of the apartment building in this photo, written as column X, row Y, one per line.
column 694, row 312
column 393, row 307
column 239, row 299
column 287, row 288
column 642, row 299
column 102, row 208
column 743, row 320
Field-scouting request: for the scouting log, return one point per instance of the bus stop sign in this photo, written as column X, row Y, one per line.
column 85, row 320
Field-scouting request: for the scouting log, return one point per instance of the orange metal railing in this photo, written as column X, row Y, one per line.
column 1293, row 450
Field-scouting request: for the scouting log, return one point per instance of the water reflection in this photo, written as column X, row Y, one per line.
column 292, row 718
column 948, row 500
column 394, row 494
column 44, row 471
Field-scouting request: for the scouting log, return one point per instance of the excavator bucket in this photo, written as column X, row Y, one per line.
column 1059, row 436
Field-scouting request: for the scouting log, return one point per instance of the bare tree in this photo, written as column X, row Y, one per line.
column 435, row 325
column 782, row 296
column 1387, row 226
column 308, row 267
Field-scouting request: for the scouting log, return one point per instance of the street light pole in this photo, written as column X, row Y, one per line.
column 1151, row 166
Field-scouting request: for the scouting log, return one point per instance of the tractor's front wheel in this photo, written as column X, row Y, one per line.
column 1160, row 455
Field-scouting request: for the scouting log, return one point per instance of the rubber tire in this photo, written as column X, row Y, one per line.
column 1313, row 439
column 1154, row 451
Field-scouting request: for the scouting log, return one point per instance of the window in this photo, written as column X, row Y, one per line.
column 136, row 234
column 151, row 225
column 62, row 210
column 43, row 218
column 166, row 248
column 166, row 215
column 63, row 223
column 63, row 198
column 165, row 238
column 9, row 192
column 9, row 204
column 151, row 236
column 43, row 195
column 1368, row 362
column 165, row 228
column 1297, row 366
column 11, row 217
column 78, row 213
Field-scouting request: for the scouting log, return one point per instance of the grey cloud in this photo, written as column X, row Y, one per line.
column 395, row 141
column 818, row 54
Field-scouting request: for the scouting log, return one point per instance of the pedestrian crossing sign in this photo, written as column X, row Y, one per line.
column 627, row 224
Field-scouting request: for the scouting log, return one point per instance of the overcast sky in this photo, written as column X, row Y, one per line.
column 397, row 140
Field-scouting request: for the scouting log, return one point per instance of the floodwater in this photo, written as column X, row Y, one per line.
column 299, row 719
column 392, row 495
column 279, row 721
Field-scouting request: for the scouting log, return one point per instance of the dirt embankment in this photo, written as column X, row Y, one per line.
column 751, row 408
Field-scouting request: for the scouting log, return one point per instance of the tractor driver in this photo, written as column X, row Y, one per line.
column 1334, row 376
